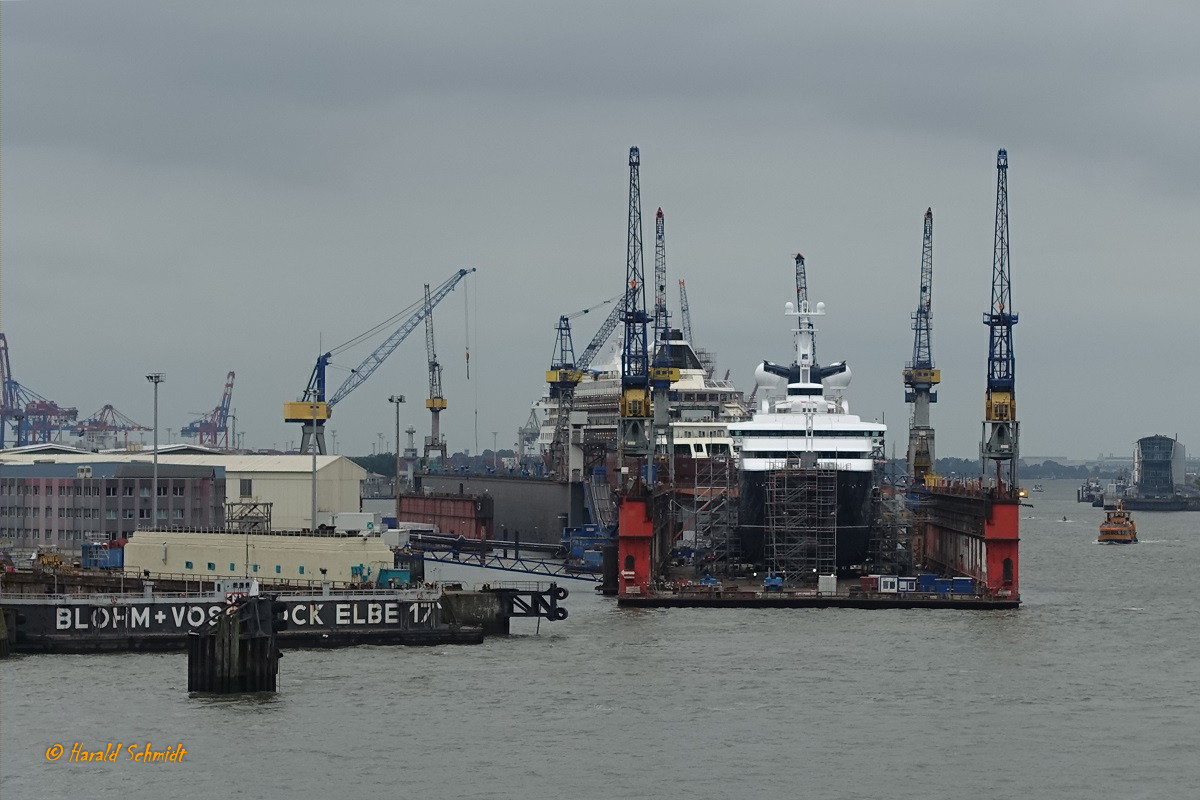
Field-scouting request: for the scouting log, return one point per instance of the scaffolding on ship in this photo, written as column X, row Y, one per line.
column 801, row 522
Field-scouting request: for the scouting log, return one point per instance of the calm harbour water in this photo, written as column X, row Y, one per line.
column 1090, row 690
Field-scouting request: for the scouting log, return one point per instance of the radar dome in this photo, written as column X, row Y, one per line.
column 839, row 380
column 764, row 378
column 820, row 308
column 789, row 307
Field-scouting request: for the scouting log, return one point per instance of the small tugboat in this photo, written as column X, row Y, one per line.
column 1118, row 527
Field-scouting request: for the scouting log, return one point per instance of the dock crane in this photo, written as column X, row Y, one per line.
column 662, row 374
column 1001, row 432
column 436, row 403
column 313, row 411
column 566, row 372
column 213, row 427
column 635, row 525
column 919, row 374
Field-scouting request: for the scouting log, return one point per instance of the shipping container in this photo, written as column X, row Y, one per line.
column 964, row 585
column 943, row 585
column 927, row 583
column 869, row 583
column 827, row 584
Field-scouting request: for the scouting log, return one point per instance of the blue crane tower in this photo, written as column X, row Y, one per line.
column 635, row 355
column 920, row 376
column 313, row 411
column 1001, row 432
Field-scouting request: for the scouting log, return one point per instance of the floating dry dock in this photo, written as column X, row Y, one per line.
column 162, row 621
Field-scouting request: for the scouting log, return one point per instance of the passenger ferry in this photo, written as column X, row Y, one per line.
column 1118, row 527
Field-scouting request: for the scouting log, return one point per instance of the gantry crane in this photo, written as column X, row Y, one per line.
column 313, row 411
column 920, row 376
column 108, row 421
column 1001, row 432
column 213, row 428
column 436, row 402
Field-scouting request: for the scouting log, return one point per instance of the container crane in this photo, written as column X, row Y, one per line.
column 108, row 421
column 34, row 418
column 313, row 411
column 1001, row 431
column 213, row 428
column 436, row 403
column 920, row 376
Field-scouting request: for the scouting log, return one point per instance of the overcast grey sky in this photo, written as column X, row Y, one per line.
column 194, row 188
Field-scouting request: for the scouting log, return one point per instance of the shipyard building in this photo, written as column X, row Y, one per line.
column 66, row 505
column 108, row 496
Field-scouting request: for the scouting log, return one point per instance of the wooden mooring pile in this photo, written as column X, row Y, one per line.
column 236, row 651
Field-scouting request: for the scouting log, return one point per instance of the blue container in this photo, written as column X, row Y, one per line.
column 925, row 583
column 943, row 585
column 964, row 585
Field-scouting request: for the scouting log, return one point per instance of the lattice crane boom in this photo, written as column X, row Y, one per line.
column 685, row 313
column 661, row 331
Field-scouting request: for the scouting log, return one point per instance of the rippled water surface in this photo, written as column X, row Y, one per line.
column 1090, row 690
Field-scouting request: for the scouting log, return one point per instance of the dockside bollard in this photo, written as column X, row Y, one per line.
column 236, row 651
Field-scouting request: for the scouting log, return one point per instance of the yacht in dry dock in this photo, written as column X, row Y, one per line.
column 810, row 426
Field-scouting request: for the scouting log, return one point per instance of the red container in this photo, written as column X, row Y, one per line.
column 869, row 583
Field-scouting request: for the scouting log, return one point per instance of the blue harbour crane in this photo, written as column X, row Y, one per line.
column 1001, row 431
column 635, row 355
column 314, row 410
column 920, row 376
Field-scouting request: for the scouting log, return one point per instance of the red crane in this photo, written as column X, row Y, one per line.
column 108, row 421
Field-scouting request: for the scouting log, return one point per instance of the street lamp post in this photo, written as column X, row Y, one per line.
column 155, row 378
column 396, row 400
